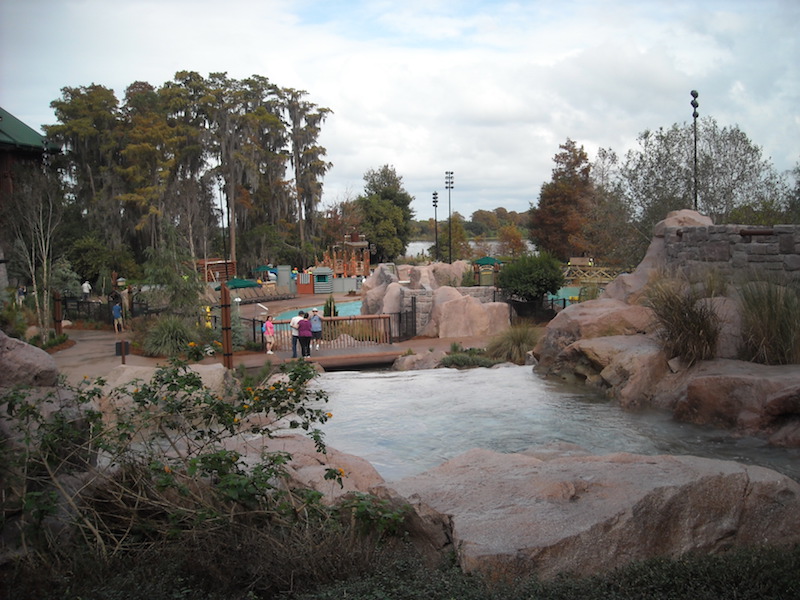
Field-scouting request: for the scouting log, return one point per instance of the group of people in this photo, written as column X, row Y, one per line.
column 306, row 330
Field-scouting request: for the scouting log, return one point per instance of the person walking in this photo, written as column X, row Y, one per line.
column 316, row 327
column 304, row 334
column 293, row 325
column 268, row 331
column 21, row 291
column 116, row 312
column 86, row 288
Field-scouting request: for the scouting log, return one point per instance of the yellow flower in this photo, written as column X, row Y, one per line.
column 290, row 389
column 246, row 406
column 249, row 389
column 192, row 344
column 235, row 419
column 256, row 398
column 341, row 472
column 167, row 469
column 329, row 415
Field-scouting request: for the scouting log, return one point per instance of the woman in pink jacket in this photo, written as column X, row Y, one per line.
column 268, row 331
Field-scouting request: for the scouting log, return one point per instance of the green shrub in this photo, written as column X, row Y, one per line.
column 687, row 325
column 770, row 322
column 531, row 277
column 168, row 336
column 513, row 344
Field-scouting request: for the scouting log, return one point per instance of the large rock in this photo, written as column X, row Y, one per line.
column 308, row 467
column 414, row 362
column 454, row 316
column 515, row 514
column 591, row 319
column 624, row 366
column 25, row 365
column 748, row 397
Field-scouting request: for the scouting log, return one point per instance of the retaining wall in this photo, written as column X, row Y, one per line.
column 735, row 250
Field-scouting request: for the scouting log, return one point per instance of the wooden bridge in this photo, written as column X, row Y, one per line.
column 583, row 271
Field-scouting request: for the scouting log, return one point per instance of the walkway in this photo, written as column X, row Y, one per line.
column 94, row 353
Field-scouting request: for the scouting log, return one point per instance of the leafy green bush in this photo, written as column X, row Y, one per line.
column 770, row 322
column 168, row 336
column 13, row 319
column 513, row 344
column 688, row 327
column 530, row 277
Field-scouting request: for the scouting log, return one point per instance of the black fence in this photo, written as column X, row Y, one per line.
column 76, row 309
column 404, row 324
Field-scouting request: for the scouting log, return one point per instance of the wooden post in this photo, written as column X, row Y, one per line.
column 227, row 341
column 57, row 313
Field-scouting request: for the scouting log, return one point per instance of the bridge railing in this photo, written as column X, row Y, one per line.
column 583, row 274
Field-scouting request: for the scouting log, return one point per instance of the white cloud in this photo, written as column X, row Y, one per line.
column 485, row 88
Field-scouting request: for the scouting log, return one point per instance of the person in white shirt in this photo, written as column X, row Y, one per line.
column 293, row 324
column 86, row 288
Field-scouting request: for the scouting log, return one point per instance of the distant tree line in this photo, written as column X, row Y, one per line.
column 607, row 209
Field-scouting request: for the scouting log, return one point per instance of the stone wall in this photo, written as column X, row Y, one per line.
column 734, row 250
column 484, row 294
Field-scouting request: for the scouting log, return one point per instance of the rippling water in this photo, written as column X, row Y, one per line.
column 407, row 422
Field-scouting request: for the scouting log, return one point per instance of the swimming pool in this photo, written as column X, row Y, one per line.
column 345, row 309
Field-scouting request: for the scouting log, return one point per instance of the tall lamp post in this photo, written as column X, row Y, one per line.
column 695, row 104
column 448, row 184
column 435, row 226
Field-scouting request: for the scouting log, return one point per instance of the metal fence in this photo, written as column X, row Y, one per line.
column 76, row 309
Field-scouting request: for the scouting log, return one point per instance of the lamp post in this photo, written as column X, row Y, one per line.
column 448, row 184
column 435, row 226
column 695, row 104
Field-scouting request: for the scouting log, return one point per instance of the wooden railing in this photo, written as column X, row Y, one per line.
column 582, row 275
column 342, row 332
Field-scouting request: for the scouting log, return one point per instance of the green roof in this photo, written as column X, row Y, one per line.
column 16, row 135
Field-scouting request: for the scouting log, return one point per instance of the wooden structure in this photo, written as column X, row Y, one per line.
column 583, row 271
column 216, row 269
column 348, row 259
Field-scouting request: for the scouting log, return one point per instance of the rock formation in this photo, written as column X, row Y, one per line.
column 517, row 514
column 610, row 344
column 23, row 364
column 451, row 312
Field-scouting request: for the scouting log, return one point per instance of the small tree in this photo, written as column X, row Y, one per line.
column 529, row 278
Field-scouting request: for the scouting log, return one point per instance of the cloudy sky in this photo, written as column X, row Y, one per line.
column 487, row 89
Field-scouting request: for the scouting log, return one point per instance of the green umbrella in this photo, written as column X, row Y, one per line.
column 488, row 260
column 236, row 283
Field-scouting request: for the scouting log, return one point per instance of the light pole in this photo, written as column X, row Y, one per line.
column 695, row 104
column 435, row 226
column 448, row 184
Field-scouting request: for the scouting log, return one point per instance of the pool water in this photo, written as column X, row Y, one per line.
column 407, row 422
column 345, row 309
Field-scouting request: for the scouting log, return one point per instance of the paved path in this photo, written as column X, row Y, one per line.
column 95, row 353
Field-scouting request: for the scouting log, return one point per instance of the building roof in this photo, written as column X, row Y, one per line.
column 16, row 135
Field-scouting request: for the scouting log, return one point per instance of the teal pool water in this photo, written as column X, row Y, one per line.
column 346, row 309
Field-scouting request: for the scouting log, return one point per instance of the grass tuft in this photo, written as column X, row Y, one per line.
column 513, row 344
column 688, row 327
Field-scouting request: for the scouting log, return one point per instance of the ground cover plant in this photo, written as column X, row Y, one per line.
column 153, row 487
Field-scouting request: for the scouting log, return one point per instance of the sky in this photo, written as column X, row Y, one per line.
column 487, row 89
